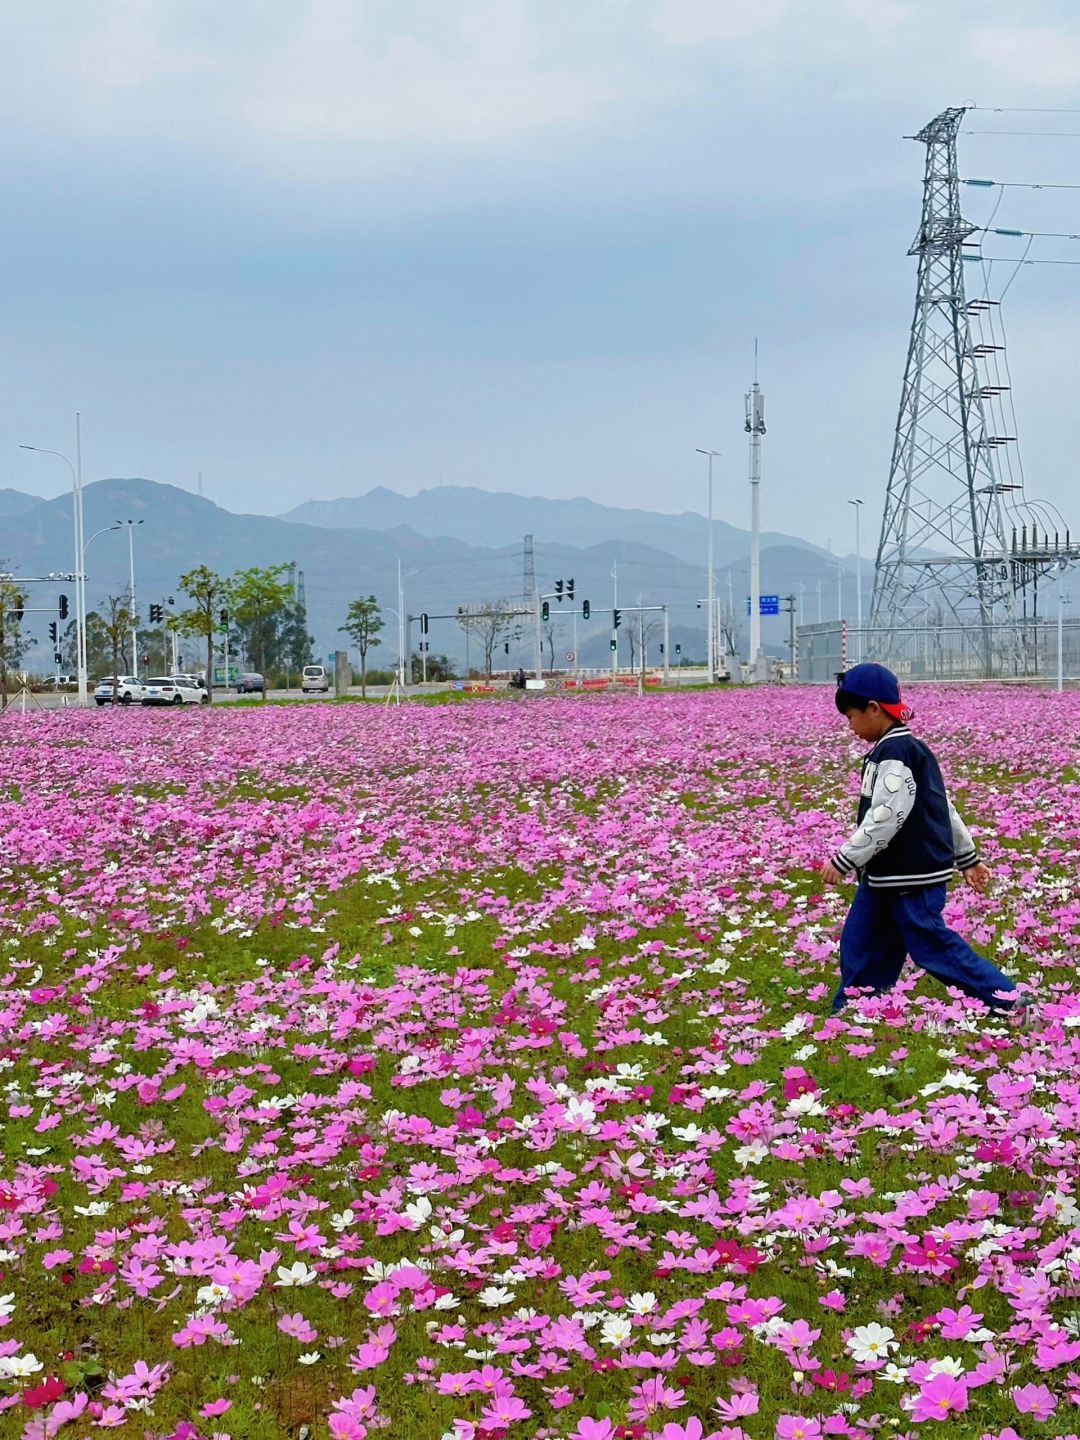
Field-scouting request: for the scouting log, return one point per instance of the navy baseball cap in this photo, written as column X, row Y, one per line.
column 871, row 681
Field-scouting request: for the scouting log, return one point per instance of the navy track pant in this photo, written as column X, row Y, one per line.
column 884, row 926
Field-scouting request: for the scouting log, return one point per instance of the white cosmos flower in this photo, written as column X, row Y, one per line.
column 871, row 1342
column 751, row 1154
column 947, row 1365
column 640, row 1303
column 689, row 1133
column 494, row 1295
column 617, row 1330
column 17, row 1367
column 342, row 1221
column 211, row 1295
column 296, row 1274
column 418, row 1211
column 310, row 1357
column 896, row 1374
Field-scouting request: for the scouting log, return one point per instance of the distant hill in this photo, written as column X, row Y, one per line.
column 182, row 530
column 497, row 519
column 16, row 502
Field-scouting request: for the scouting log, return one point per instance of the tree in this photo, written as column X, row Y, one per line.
column 210, row 593
column 490, row 623
column 296, row 644
column 362, row 625
column 13, row 645
column 259, row 599
column 548, row 632
column 438, row 668
column 116, row 623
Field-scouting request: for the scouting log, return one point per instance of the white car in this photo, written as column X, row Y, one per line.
column 314, row 678
column 173, row 690
column 128, row 689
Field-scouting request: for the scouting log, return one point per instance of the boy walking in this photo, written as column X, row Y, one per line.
column 908, row 841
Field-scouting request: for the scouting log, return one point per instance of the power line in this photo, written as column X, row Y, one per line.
column 1022, row 110
column 1045, row 134
column 1019, row 185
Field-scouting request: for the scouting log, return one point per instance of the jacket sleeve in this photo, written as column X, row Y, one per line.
column 964, row 852
column 891, row 803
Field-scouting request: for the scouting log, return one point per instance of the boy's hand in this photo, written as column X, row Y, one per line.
column 978, row 877
column 832, row 876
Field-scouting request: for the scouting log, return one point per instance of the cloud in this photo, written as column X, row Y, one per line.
column 713, row 22
column 1040, row 56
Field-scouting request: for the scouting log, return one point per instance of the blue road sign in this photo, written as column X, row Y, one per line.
column 767, row 605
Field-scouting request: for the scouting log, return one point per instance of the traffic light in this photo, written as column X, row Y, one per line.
column 424, row 624
column 570, row 588
column 506, row 647
column 63, row 607
column 52, row 631
column 545, row 611
column 156, row 613
column 558, row 589
column 146, row 659
column 678, row 649
column 614, row 643
column 57, row 657
column 224, row 617
column 616, row 620
column 586, row 609
column 661, row 647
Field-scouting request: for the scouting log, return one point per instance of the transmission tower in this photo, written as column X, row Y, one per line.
column 944, row 551
column 528, row 583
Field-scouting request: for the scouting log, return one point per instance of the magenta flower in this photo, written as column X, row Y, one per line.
column 941, row 1396
column 1034, row 1400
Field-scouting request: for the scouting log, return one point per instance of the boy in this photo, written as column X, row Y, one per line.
column 908, row 842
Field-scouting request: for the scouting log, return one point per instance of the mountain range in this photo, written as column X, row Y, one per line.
column 460, row 546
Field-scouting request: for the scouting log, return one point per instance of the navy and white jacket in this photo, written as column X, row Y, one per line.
column 909, row 836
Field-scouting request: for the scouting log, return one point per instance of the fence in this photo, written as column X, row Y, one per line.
column 1025, row 650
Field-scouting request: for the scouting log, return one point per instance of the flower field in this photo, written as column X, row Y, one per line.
column 468, row 1071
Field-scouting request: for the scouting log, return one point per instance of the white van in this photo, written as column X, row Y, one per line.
column 314, row 678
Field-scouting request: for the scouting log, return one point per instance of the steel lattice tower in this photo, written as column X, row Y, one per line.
column 943, row 555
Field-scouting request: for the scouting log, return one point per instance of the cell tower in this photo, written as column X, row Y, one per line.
column 755, row 428
column 948, row 551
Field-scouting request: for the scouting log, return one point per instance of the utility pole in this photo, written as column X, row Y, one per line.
column 710, row 589
column 667, row 648
column 755, row 427
column 614, row 609
column 80, row 578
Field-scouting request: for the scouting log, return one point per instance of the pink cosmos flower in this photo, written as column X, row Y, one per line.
column 297, row 1328
column 691, row 1429
column 794, row 1427
column 1034, row 1400
column 593, row 1429
column 941, row 1396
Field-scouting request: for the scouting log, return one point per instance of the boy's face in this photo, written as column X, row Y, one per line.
column 869, row 724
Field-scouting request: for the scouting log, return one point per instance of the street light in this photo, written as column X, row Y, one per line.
column 710, row 669
column 131, row 591
column 857, row 505
column 80, row 578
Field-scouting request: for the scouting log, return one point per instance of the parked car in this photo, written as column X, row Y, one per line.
column 314, row 679
column 173, row 690
column 199, row 681
column 65, row 682
column 128, row 688
column 249, row 682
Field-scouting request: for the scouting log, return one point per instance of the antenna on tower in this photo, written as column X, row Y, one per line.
column 945, row 551
column 200, row 484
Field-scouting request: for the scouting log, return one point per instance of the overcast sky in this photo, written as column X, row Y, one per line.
column 312, row 246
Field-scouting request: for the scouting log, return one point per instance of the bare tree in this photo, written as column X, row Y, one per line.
column 549, row 631
column 116, row 621
column 490, row 622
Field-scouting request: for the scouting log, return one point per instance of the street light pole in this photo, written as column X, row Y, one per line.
column 710, row 664
column 131, row 594
column 614, row 607
column 77, row 530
